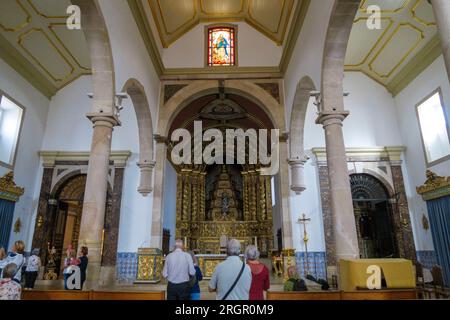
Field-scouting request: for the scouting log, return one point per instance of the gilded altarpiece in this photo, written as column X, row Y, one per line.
column 224, row 201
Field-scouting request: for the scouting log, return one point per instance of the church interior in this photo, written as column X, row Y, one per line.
column 355, row 94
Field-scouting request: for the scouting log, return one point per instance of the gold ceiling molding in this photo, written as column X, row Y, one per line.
column 8, row 188
column 395, row 36
column 21, row 24
column 174, row 18
column 45, row 55
column 384, row 5
column 434, row 187
column 415, row 11
column 150, row 41
column 388, row 57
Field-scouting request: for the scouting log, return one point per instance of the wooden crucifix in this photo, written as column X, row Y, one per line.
column 303, row 221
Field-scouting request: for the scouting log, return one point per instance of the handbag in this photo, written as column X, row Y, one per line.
column 235, row 282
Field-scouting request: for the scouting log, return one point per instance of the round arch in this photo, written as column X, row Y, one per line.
column 97, row 38
column 141, row 106
column 247, row 89
column 298, row 115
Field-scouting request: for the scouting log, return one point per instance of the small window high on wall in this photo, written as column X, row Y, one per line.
column 434, row 129
column 11, row 115
column 221, row 46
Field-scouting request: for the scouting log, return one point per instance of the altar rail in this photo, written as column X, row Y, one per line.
column 406, row 294
column 91, row 295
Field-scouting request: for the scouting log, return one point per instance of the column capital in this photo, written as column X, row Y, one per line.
column 298, row 161
column 327, row 118
column 146, row 164
column 105, row 120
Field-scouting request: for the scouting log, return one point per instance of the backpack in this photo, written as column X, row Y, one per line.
column 300, row 285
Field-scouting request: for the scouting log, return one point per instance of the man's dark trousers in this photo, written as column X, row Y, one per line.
column 179, row 291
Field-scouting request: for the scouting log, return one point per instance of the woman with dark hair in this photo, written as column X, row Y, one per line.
column 83, row 264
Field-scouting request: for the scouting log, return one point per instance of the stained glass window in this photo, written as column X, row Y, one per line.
column 221, row 46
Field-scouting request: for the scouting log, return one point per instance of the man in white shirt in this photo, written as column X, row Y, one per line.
column 177, row 269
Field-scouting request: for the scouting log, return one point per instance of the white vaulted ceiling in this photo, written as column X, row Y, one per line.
column 408, row 30
column 35, row 36
column 174, row 18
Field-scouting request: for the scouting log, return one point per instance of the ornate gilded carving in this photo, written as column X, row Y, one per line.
column 434, row 187
column 150, row 265
column 202, row 227
column 8, row 188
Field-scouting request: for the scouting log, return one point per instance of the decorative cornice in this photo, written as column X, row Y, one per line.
column 138, row 11
column 434, row 187
column 296, row 26
column 8, row 188
column 391, row 154
column 49, row 158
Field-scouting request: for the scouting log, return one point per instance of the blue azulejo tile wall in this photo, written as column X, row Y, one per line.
column 317, row 264
column 126, row 267
column 427, row 258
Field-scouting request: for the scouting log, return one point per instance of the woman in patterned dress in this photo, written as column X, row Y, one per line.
column 10, row 289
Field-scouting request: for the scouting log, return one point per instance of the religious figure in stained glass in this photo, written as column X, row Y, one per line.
column 221, row 46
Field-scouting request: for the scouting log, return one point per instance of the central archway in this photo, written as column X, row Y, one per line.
column 268, row 108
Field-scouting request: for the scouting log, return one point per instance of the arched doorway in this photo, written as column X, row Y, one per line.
column 65, row 208
column 373, row 214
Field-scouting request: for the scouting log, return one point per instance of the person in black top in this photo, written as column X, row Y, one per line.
column 83, row 264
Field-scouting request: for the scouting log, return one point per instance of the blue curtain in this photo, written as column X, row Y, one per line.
column 439, row 214
column 6, row 220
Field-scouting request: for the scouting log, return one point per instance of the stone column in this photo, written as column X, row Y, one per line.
column 286, row 212
column 93, row 217
column 441, row 10
column 158, row 197
column 346, row 240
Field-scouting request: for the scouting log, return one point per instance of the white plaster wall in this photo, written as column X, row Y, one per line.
column 68, row 128
column 308, row 52
column 27, row 171
column 429, row 80
column 254, row 49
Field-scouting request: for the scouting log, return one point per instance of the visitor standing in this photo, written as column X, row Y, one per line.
column 178, row 269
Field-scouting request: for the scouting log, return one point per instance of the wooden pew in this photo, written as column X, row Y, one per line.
column 304, row 295
column 402, row 294
column 103, row 295
column 91, row 295
column 55, row 295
